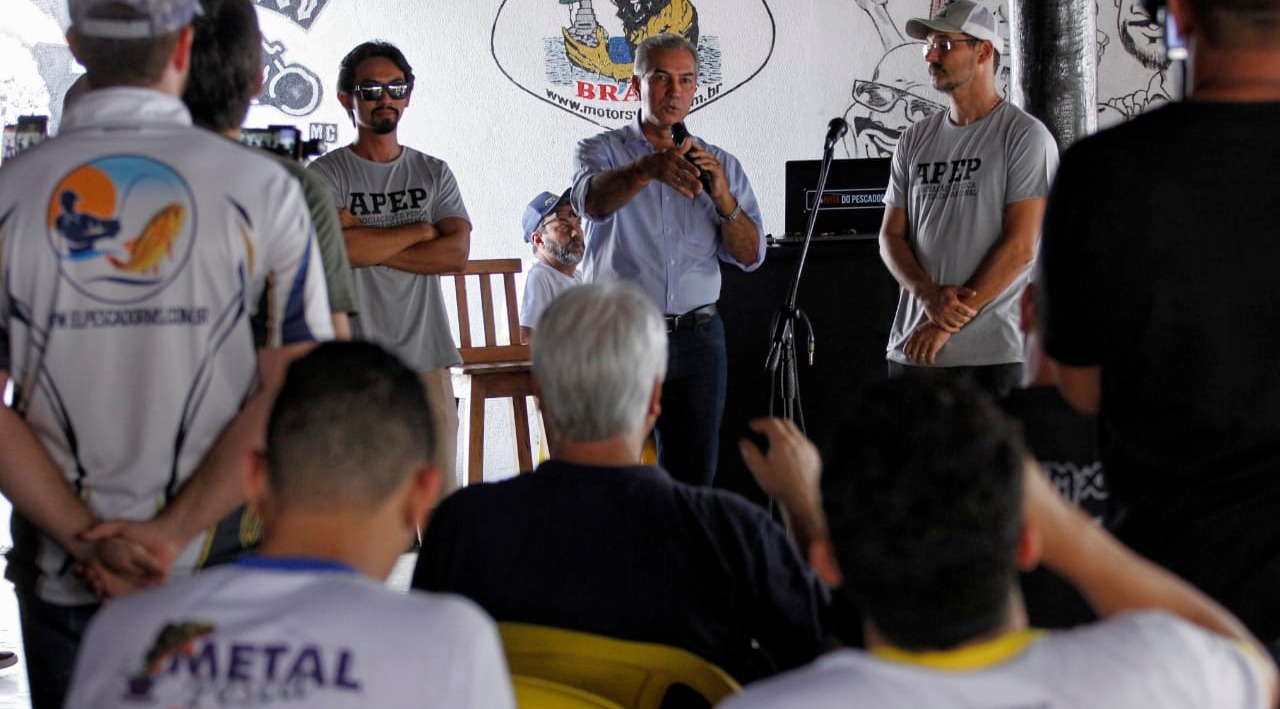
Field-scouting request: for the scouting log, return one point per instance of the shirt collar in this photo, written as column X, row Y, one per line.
column 291, row 563
column 634, row 133
column 124, row 106
column 978, row 656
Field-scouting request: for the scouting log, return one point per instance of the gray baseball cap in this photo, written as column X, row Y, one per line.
column 964, row 16
column 158, row 18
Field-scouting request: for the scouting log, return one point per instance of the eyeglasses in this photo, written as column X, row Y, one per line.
column 881, row 98
column 944, row 44
column 373, row 92
column 571, row 219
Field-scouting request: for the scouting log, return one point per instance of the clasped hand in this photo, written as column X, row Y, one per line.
column 946, row 307
column 122, row 556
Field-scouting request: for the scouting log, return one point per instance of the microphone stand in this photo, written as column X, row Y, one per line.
column 781, row 362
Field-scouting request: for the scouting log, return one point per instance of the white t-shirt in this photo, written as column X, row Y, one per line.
column 270, row 632
column 1135, row 661
column 543, row 285
column 134, row 251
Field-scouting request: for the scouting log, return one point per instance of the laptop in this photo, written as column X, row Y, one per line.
column 852, row 204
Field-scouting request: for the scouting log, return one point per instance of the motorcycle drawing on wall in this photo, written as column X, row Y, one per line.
column 292, row 88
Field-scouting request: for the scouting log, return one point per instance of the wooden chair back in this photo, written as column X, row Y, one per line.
column 489, row 349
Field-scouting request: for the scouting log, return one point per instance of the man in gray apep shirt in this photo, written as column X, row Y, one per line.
column 965, row 198
column 404, row 221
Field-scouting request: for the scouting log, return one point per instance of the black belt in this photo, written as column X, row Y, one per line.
column 689, row 319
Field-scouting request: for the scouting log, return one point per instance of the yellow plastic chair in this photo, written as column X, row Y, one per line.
column 538, row 693
column 633, row 674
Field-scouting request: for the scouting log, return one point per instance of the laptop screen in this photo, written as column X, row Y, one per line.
column 853, row 202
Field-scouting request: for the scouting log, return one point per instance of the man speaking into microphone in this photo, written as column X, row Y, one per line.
column 662, row 215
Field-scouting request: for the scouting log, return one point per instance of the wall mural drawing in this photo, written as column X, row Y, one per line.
column 300, row 12
column 897, row 93
column 587, row 44
column 578, row 55
column 292, row 88
column 1142, row 38
column 36, row 67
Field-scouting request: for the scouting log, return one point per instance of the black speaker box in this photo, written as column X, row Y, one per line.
column 850, row 299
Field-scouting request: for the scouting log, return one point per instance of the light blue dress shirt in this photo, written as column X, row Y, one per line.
column 664, row 242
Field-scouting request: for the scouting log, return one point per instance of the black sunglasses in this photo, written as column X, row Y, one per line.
column 373, row 92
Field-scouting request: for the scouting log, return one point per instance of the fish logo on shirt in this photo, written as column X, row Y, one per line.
column 173, row 639
column 155, row 242
column 122, row 226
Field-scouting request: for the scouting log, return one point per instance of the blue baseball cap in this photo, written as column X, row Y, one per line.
column 157, row 18
column 538, row 209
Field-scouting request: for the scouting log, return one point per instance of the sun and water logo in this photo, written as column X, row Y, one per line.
column 122, row 226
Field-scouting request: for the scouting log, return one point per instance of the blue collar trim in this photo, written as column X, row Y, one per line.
column 291, row 563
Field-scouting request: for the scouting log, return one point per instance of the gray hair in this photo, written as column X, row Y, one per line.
column 662, row 43
column 598, row 351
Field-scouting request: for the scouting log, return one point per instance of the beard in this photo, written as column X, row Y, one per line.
column 565, row 254
column 384, row 120
column 1150, row 54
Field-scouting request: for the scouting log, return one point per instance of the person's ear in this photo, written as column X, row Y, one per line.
column 1030, row 547
column 348, row 102
column 73, row 43
column 257, row 483
column 181, row 56
column 258, row 82
column 1182, row 16
column 424, row 492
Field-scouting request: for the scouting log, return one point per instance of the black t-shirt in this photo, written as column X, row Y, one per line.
column 1159, row 260
column 629, row 553
column 1065, row 442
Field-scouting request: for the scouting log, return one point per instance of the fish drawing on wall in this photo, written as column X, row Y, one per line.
column 579, row 55
column 588, row 45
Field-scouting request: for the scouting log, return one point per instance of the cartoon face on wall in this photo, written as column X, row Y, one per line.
column 1141, row 35
column 1144, row 62
column 897, row 95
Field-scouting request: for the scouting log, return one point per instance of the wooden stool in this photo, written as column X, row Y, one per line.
column 489, row 369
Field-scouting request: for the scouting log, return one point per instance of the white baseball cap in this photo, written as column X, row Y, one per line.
column 964, row 16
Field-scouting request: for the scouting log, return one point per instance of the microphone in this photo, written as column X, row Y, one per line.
column 835, row 131
column 679, row 134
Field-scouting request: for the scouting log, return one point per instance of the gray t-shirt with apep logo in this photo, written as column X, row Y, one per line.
column 400, row 310
column 954, row 183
